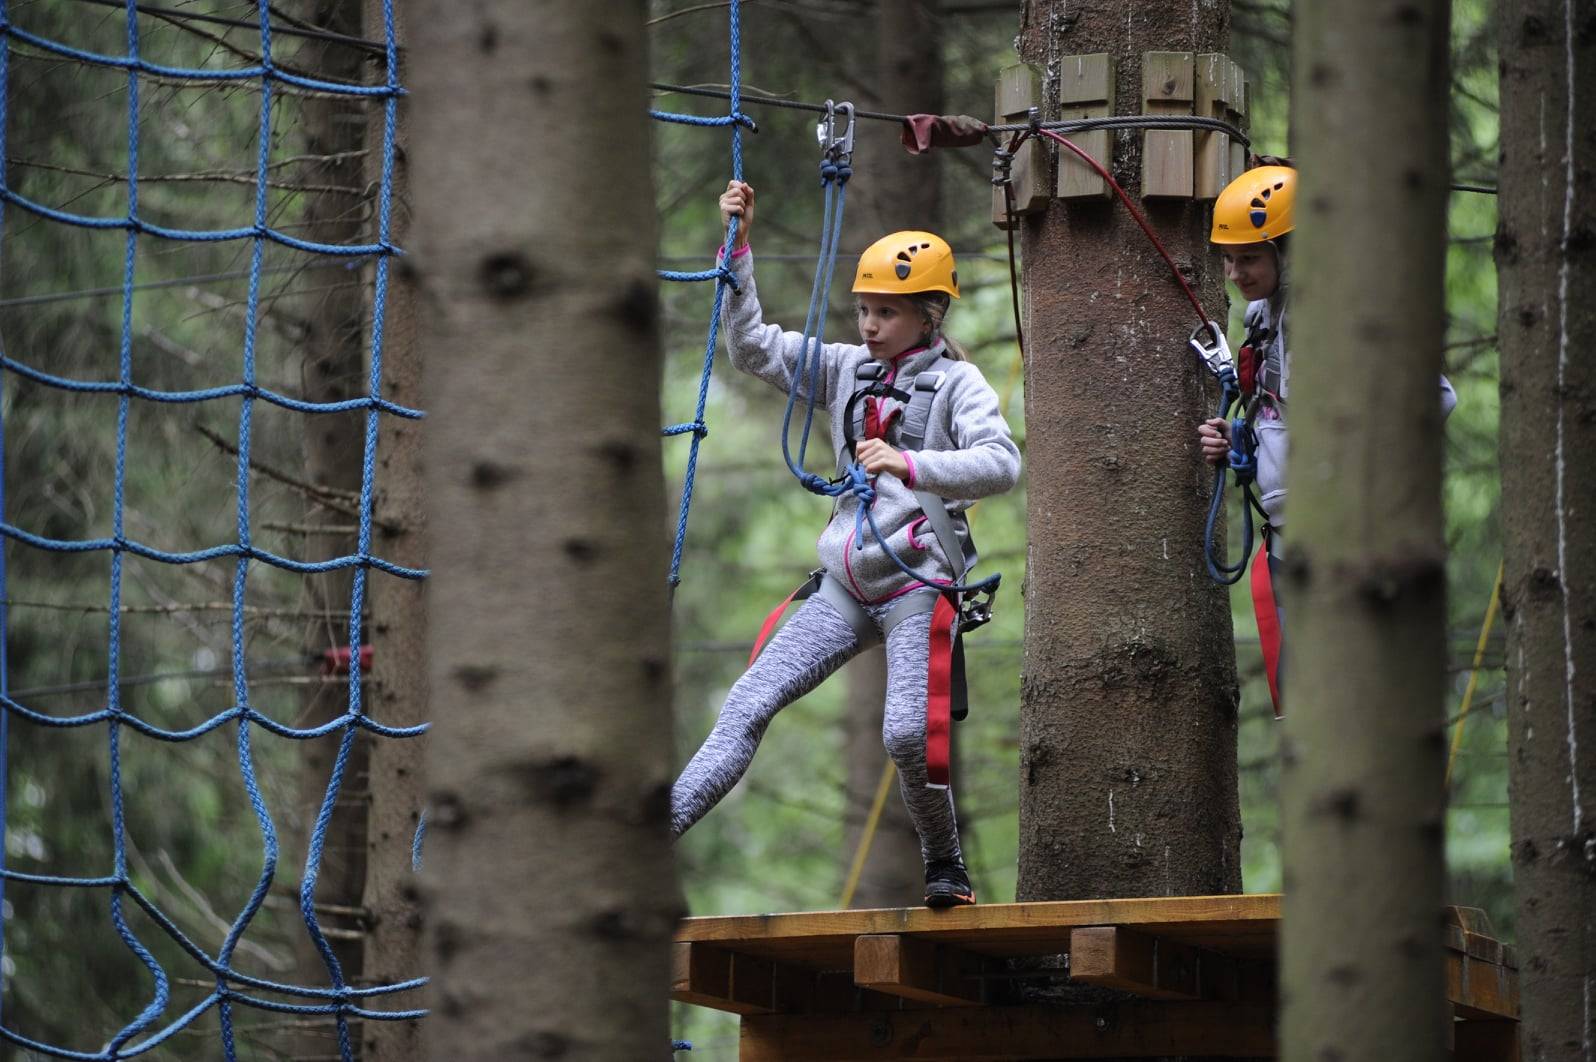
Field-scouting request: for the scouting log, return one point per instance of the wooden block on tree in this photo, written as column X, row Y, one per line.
column 1133, row 962
column 1167, row 89
column 1085, row 90
column 1236, row 111
column 1485, row 1041
column 1019, row 88
column 722, row 980
column 916, row 969
column 1213, row 90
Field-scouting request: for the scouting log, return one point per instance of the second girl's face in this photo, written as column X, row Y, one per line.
column 889, row 325
column 1254, row 268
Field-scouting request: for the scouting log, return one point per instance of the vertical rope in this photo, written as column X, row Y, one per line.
column 721, row 275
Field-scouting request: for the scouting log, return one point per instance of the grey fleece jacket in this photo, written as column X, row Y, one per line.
column 1267, row 318
column 968, row 451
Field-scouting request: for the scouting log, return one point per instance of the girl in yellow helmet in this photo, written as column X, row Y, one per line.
column 930, row 433
column 1253, row 218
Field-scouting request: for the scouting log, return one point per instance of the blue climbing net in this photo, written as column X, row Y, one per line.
column 720, row 274
column 338, row 1000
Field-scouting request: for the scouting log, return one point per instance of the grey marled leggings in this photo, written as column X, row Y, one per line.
column 815, row 642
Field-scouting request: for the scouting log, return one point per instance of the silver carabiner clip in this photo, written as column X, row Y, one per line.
column 1214, row 350
column 835, row 146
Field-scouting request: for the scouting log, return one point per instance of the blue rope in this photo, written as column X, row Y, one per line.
column 339, row 1000
column 721, row 275
column 1243, row 463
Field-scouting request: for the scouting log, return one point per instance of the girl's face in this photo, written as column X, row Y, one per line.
column 1253, row 267
column 889, row 325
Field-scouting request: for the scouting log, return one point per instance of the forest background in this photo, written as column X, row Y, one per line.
column 785, row 839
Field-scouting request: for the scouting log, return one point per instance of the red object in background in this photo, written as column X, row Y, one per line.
column 336, row 661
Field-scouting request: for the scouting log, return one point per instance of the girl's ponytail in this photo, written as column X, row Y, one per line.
column 933, row 307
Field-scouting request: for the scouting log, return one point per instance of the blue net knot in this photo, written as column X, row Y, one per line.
column 693, row 427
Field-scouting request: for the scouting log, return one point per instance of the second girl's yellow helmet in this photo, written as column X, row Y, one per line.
column 907, row 263
column 1259, row 205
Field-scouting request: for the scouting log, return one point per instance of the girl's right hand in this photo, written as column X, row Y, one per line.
column 737, row 201
column 1214, row 438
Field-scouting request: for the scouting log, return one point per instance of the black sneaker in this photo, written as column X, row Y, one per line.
column 947, row 884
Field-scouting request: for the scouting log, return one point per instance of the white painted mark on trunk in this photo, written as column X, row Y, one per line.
column 1111, row 812
column 1562, row 404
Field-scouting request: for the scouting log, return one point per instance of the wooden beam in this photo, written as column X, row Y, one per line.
column 722, row 980
column 1013, row 1034
column 1485, row 1041
column 1133, row 962
column 916, row 969
column 1480, row 990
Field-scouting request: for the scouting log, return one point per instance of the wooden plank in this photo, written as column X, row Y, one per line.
column 1133, row 962
column 1480, row 990
column 1485, row 1041
column 1019, row 88
column 1003, row 929
column 1168, row 83
column 1086, row 90
column 722, row 980
column 1008, row 1034
column 916, row 969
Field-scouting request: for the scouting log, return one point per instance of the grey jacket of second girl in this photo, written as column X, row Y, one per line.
column 968, row 451
column 1267, row 318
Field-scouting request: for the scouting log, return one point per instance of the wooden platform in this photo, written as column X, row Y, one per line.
column 921, row 984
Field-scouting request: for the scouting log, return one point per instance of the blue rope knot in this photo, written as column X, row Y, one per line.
column 828, row 172
column 844, row 171
column 693, row 427
column 816, row 484
column 1243, row 462
column 739, row 118
column 724, row 273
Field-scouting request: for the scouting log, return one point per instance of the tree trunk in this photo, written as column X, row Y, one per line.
column 1128, row 698
column 1547, row 328
column 332, row 372
column 896, row 191
column 397, row 689
column 549, row 884
column 1362, row 754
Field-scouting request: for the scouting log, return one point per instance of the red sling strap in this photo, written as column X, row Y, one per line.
column 939, row 693
column 1263, row 607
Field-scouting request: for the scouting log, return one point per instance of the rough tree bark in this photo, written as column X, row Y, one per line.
column 895, row 191
column 332, row 372
column 1547, row 328
column 1365, row 579
column 397, row 692
column 1128, row 697
column 550, row 893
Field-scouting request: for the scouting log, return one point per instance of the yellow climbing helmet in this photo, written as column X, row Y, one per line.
column 907, row 263
column 1258, row 205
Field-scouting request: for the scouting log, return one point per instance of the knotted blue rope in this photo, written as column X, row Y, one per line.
column 721, row 275
column 339, row 1000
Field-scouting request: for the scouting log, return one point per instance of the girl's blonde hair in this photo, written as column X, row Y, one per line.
column 933, row 307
